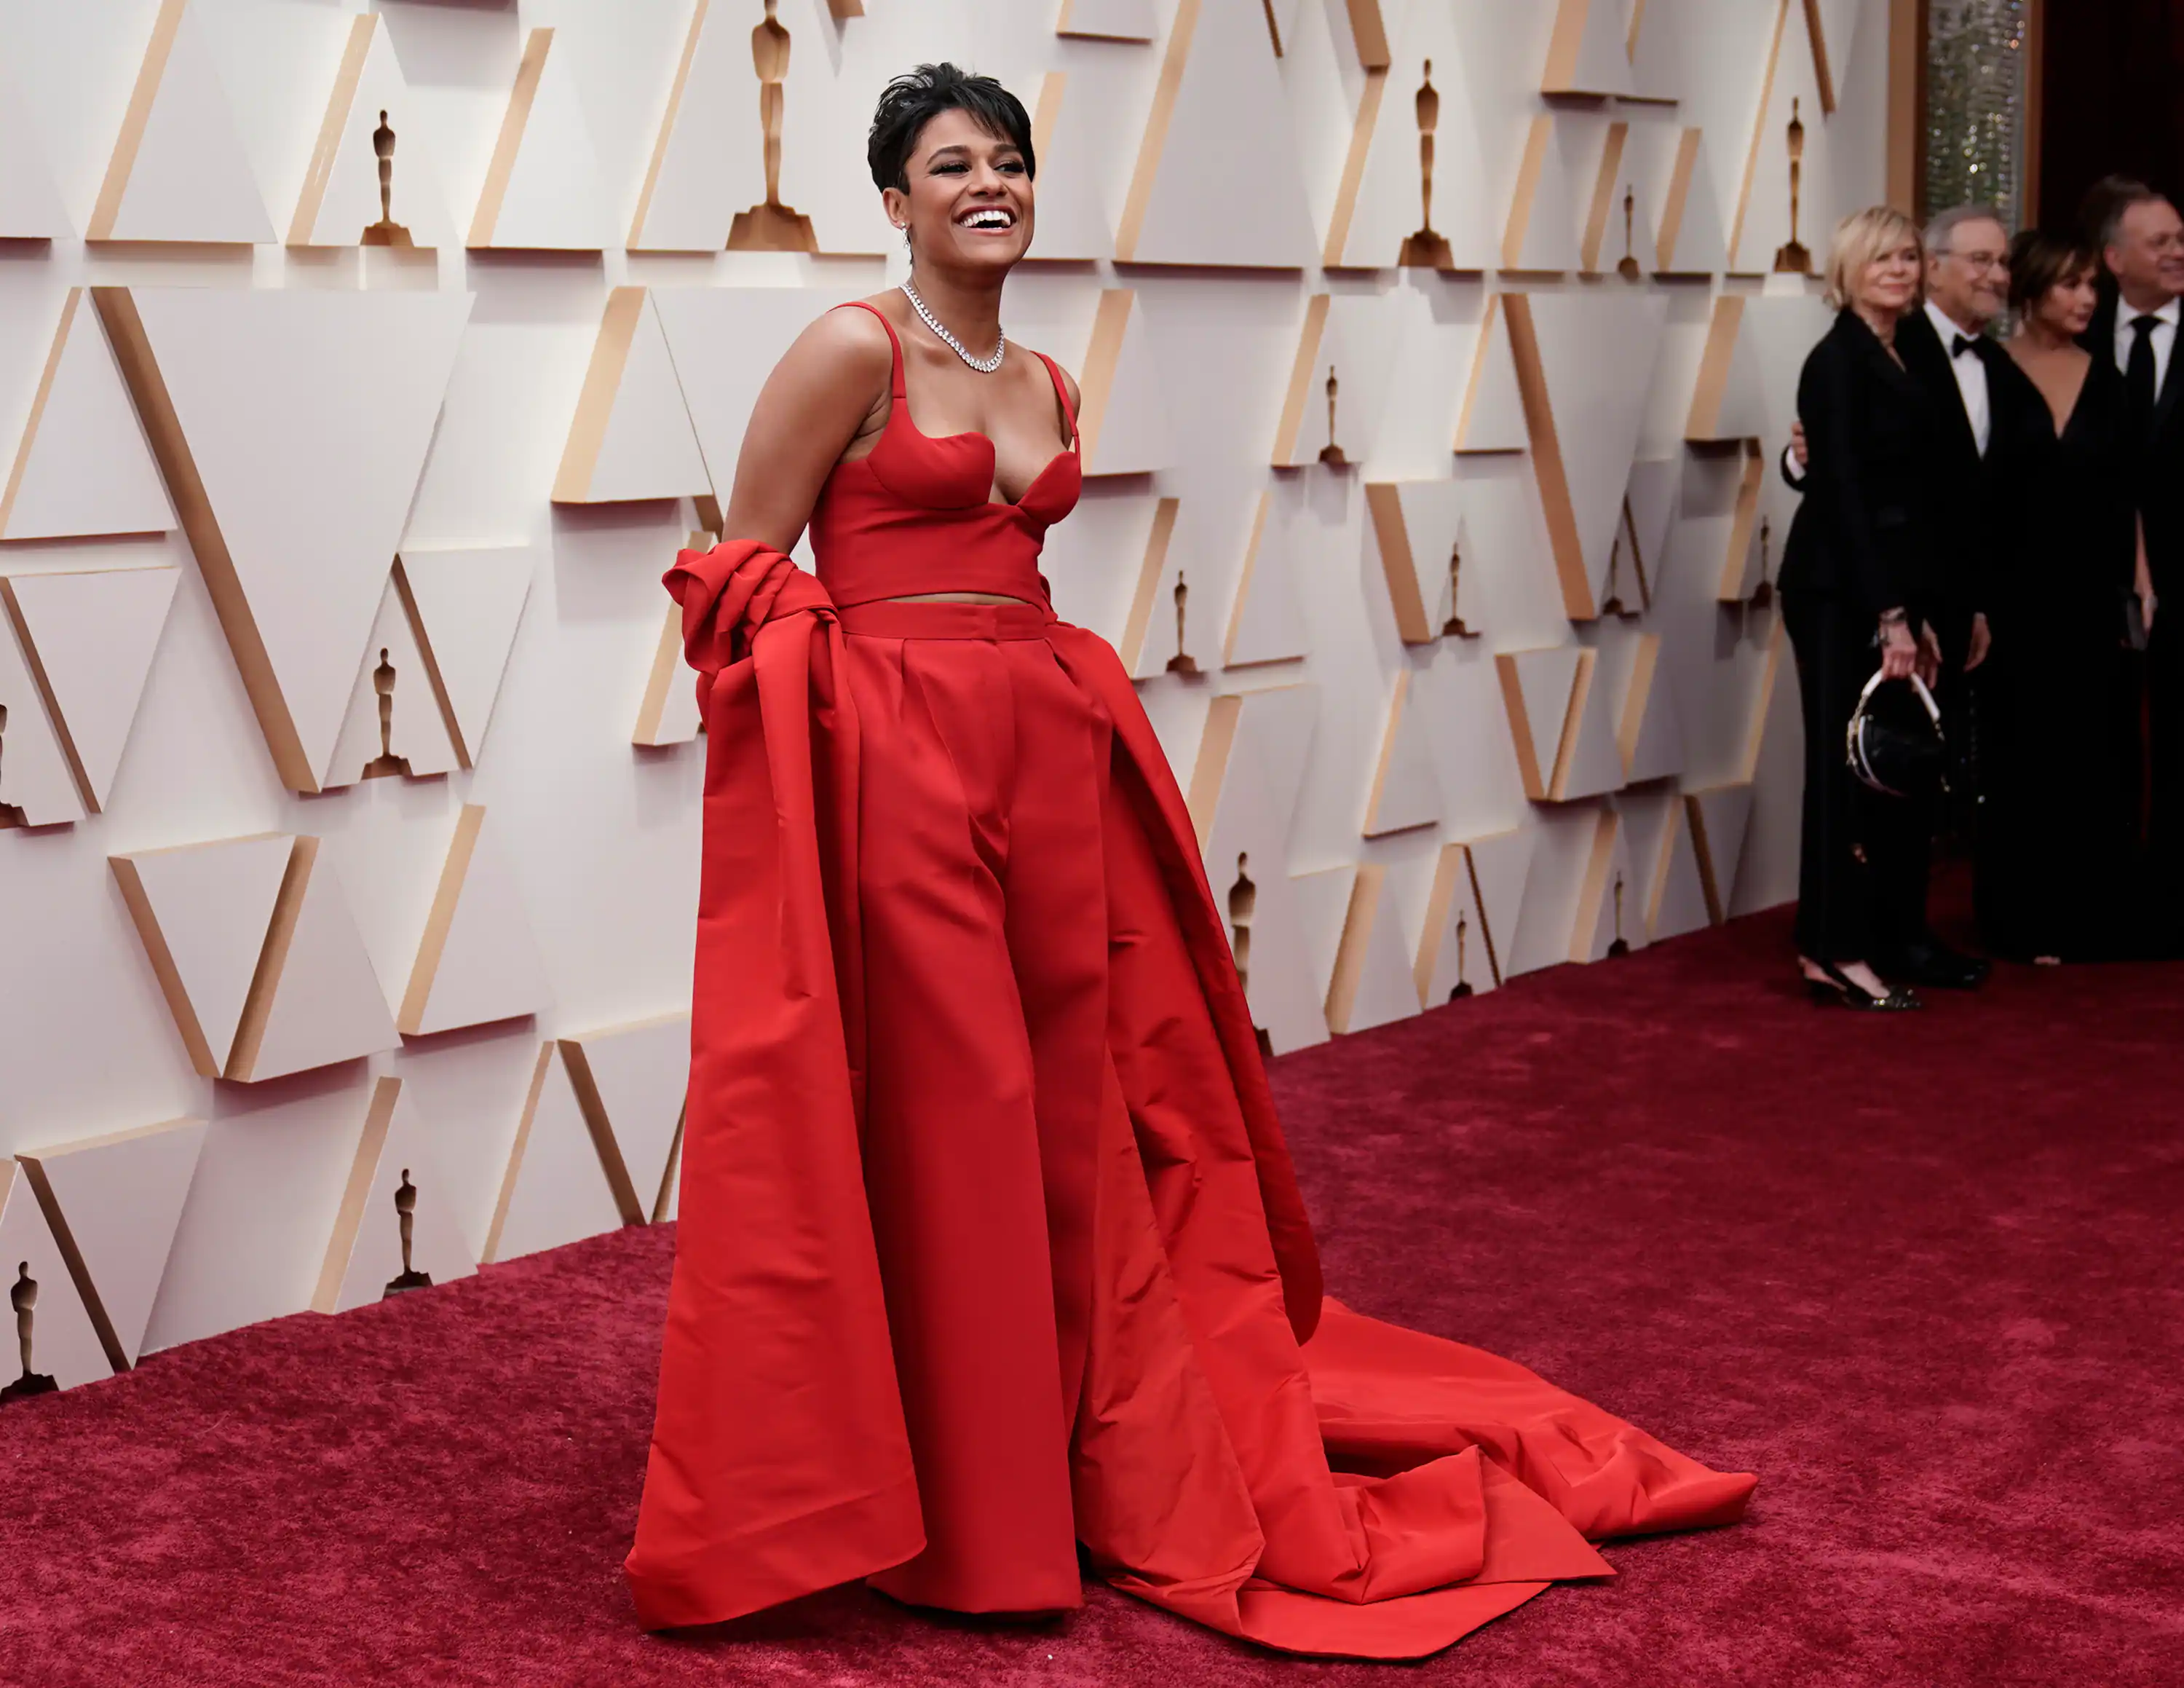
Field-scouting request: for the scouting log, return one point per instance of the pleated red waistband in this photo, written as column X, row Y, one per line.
column 892, row 618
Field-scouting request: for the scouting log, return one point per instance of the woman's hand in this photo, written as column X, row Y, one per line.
column 1899, row 651
column 1929, row 665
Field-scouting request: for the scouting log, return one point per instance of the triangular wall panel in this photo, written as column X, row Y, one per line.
column 341, row 203
column 285, row 417
column 1590, row 762
column 630, row 437
column 1418, row 529
column 1772, row 213
column 392, row 679
column 464, row 604
column 178, row 171
column 1219, row 116
column 1124, row 415
column 1611, row 903
column 394, row 1168
column 202, row 911
column 1266, row 623
column 1493, row 418
column 1541, row 235
column 1454, row 959
column 478, row 960
column 115, row 1199
column 555, row 1190
column 542, row 189
column 630, row 1081
column 1718, row 817
column 1071, row 139
column 1405, row 792
column 30, row 207
column 93, row 634
column 725, row 342
column 1536, row 689
column 1677, row 900
column 1373, row 227
column 1589, row 52
column 64, row 1344
column 1583, row 367
column 1730, row 400
column 1244, row 789
column 1690, row 239
column 1500, row 867
column 704, row 185
column 1373, row 980
column 315, row 999
column 83, row 468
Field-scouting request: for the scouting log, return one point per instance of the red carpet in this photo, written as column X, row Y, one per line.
column 1921, row 1274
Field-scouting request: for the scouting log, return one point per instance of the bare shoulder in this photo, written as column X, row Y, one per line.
column 843, row 345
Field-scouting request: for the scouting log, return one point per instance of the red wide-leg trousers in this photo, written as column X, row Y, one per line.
column 984, row 772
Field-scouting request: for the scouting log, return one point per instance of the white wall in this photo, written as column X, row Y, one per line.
column 587, row 856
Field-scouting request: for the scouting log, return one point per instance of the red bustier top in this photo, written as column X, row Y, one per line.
column 918, row 515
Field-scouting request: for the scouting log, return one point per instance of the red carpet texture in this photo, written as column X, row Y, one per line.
column 1920, row 1274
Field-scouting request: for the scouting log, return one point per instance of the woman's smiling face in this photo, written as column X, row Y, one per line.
column 970, row 199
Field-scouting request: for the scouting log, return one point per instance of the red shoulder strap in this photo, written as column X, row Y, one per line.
column 898, row 390
column 1061, row 391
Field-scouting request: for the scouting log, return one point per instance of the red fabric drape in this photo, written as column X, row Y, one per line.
column 1213, row 1387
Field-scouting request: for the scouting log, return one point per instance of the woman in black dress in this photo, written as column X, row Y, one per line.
column 1857, row 574
column 2059, row 747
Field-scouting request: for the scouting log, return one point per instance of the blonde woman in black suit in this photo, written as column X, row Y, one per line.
column 1859, row 575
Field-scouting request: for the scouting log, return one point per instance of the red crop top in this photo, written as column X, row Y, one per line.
column 916, row 514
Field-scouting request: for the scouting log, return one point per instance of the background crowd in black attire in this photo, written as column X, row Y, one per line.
column 1979, row 508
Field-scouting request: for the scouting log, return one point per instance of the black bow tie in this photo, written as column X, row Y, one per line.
column 1960, row 345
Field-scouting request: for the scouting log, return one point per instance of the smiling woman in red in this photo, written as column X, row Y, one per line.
column 989, row 1243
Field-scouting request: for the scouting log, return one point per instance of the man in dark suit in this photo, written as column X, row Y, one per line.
column 2142, row 242
column 1946, row 349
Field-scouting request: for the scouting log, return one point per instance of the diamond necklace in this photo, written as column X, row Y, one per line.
column 984, row 365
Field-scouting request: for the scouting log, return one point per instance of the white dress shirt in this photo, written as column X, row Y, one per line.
column 1970, row 373
column 2163, row 337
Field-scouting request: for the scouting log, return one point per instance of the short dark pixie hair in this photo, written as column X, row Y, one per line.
column 2040, row 260
column 914, row 99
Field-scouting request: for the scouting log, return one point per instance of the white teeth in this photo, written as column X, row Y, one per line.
column 989, row 217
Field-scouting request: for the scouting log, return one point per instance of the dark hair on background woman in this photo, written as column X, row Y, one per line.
column 2039, row 261
column 914, row 99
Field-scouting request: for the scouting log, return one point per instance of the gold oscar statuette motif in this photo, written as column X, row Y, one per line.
column 1764, row 594
column 1243, row 900
column 1621, row 945
column 1627, row 265
column 23, row 1296
column 1453, row 628
column 385, row 232
column 771, row 226
column 1427, row 250
column 10, row 815
column 1462, row 960
column 406, row 1209
column 386, row 763
column 1183, row 662
column 1331, row 454
column 1791, row 258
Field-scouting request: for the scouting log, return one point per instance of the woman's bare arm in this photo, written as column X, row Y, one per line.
column 820, row 396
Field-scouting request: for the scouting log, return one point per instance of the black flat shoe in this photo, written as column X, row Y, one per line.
column 1839, row 990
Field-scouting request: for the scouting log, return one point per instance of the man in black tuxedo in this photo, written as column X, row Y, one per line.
column 1964, row 374
column 2142, row 242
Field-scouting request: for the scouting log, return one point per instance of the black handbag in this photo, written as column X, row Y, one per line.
column 1895, row 742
